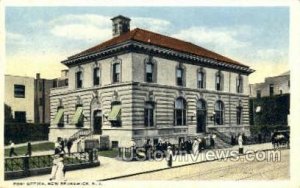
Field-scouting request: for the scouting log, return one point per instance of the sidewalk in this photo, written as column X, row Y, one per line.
column 111, row 168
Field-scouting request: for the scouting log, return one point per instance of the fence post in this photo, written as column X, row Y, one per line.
column 26, row 165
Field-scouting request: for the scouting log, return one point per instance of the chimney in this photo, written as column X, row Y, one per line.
column 121, row 25
column 38, row 76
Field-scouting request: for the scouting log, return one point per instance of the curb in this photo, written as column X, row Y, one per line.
column 166, row 168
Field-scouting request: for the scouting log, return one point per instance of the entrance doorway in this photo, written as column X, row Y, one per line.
column 201, row 116
column 97, row 122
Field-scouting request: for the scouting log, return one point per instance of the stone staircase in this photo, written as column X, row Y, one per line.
column 221, row 139
column 219, row 144
column 82, row 133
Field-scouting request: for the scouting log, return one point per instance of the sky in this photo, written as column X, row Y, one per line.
column 39, row 38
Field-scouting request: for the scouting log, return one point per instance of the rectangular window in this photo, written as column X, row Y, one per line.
column 149, row 72
column 116, row 72
column 200, row 80
column 96, row 76
column 258, row 93
column 179, row 76
column 218, row 82
column 19, row 91
column 239, row 85
column 79, row 79
column 20, row 116
column 271, row 89
column 114, row 144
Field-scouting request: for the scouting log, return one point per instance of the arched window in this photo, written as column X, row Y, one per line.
column 59, row 117
column 115, row 114
column 219, row 113
column 201, row 105
column 201, row 116
column 78, row 118
column 79, row 79
column 180, row 112
column 239, row 84
column 239, row 111
column 149, row 114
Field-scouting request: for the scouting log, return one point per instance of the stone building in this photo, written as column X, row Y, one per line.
column 276, row 85
column 28, row 98
column 142, row 85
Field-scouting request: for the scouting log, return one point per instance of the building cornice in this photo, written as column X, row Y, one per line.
column 143, row 84
column 135, row 46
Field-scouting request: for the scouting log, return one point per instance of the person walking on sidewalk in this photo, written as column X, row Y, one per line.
column 69, row 146
column 169, row 156
column 58, row 172
column 195, row 146
column 240, row 142
column 12, row 149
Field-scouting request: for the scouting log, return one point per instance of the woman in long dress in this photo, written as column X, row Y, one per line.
column 195, row 146
column 169, row 156
column 57, row 172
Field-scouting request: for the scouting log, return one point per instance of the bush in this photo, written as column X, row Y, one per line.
column 24, row 132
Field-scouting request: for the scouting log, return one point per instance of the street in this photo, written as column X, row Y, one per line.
column 225, row 170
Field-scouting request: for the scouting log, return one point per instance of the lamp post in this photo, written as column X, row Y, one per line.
column 213, row 117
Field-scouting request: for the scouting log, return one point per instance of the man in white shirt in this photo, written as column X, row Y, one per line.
column 12, row 149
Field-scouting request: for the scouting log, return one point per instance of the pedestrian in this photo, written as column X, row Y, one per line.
column 62, row 144
column 80, row 145
column 69, row 146
column 58, row 170
column 29, row 149
column 212, row 142
column 12, row 149
column 159, row 148
column 200, row 145
column 240, row 142
column 133, row 147
column 169, row 156
column 232, row 140
column 195, row 146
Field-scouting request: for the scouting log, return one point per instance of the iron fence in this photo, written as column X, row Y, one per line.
column 26, row 163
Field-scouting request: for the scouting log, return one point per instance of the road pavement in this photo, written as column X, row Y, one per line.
column 242, row 169
column 111, row 168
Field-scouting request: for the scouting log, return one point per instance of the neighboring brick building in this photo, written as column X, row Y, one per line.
column 276, row 85
column 28, row 98
column 142, row 85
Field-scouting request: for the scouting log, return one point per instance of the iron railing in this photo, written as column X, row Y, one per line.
column 26, row 163
column 82, row 132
